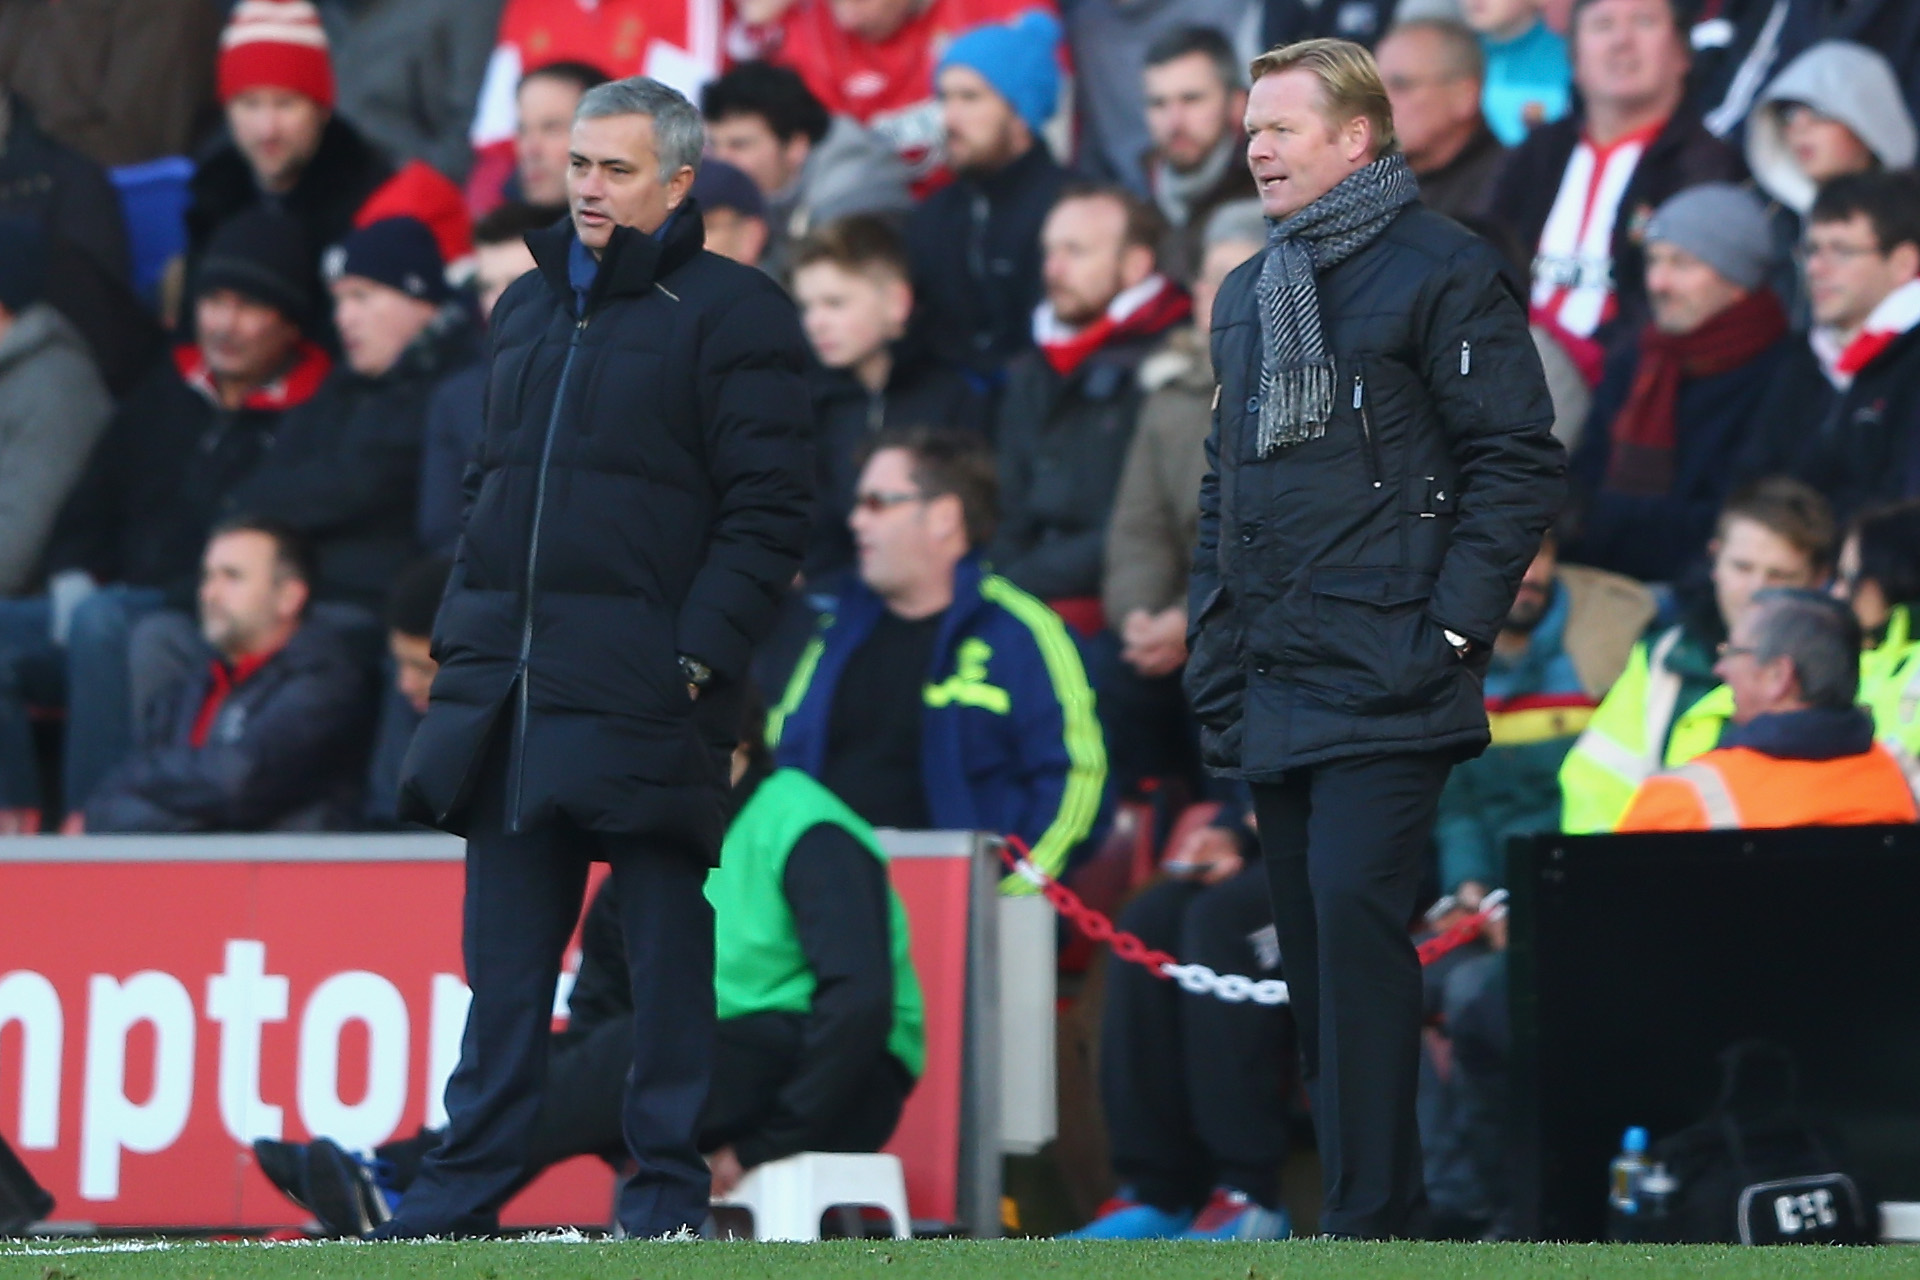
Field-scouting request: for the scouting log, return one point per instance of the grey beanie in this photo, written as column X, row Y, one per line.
column 1722, row 225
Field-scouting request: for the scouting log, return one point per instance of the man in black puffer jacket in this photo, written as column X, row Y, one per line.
column 640, row 503
column 1381, row 469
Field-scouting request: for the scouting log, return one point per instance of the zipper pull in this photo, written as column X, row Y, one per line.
column 1357, row 385
column 1466, row 358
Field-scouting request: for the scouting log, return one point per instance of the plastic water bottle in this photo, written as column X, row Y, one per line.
column 1629, row 1170
column 1657, row 1189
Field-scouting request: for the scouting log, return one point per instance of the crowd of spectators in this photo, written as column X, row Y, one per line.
column 233, row 426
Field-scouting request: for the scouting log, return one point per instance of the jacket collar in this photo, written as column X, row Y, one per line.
column 998, row 184
column 634, row 262
column 860, row 609
column 1817, row 733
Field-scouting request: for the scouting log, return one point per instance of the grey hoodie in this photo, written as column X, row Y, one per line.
column 850, row 170
column 53, row 407
column 1843, row 81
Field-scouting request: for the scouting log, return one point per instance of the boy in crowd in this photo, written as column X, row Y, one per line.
column 851, row 280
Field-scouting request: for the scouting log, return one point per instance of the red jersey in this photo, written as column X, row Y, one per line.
column 677, row 42
column 887, row 85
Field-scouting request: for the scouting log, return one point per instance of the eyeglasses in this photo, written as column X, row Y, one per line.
column 876, row 501
column 1727, row 650
column 1812, row 250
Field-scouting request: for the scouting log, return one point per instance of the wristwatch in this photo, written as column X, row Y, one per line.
column 1461, row 645
column 697, row 673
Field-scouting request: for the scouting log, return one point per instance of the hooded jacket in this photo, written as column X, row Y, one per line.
column 53, row 406
column 1842, row 81
column 850, row 170
column 642, row 491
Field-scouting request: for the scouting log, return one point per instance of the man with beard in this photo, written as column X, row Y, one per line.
column 1196, row 95
column 975, row 245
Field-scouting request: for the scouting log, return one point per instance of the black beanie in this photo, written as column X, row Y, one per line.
column 400, row 253
column 23, row 263
column 262, row 254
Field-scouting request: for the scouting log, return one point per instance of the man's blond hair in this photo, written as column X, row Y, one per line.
column 1350, row 84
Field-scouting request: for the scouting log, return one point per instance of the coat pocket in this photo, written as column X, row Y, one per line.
column 1376, row 650
column 1214, row 681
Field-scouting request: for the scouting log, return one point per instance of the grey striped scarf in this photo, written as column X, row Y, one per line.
column 1296, row 371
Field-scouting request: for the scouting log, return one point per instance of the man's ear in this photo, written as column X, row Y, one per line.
column 1136, row 264
column 1905, row 259
column 678, row 186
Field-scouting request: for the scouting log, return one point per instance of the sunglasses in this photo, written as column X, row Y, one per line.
column 876, row 501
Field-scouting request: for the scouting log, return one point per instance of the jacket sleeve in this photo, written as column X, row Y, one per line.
column 837, row 891
column 1483, row 374
column 1145, row 546
column 318, row 714
column 54, row 414
column 758, row 420
column 1062, row 752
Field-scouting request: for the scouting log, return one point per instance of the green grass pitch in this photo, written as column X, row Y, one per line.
column 938, row 1260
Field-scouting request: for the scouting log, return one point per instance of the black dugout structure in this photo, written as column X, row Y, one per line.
column 1636, row 959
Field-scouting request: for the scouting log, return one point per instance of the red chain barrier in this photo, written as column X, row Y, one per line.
column 1098, row 928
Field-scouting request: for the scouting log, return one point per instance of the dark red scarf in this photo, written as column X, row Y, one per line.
column 1645, row 430
column 1160, row 310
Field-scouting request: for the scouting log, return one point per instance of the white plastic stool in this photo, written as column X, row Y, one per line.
column 787, row 1197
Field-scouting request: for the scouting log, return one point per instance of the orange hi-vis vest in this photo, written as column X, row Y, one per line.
column 1740, row 788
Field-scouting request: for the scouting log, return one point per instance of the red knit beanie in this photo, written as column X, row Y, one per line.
column 275, row 44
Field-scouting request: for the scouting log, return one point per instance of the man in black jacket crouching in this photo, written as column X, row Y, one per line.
column 639, row 502
column 1379, row 474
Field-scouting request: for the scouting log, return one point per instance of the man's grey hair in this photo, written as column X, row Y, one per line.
column 678, row 132
column 1818, row 634
column 1237, row 221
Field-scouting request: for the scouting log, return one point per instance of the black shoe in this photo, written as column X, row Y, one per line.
column 284, row 1164
column 341, row 1192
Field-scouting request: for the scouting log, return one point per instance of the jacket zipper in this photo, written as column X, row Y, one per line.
column 1366, row 429
column 518, row 770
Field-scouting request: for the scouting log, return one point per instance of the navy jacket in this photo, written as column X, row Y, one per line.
column 1011, row 743
column 1325, row 573
column 643, row 490
column 287, row 750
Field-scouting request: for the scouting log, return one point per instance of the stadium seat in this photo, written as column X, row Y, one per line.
column 787, row 1198
column 153, row 200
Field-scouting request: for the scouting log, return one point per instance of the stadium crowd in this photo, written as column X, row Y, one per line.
column 248, row 255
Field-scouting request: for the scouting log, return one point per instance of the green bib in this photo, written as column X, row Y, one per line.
column 758, row 964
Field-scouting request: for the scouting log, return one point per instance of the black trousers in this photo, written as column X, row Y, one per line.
column 1195, row 1089
column 1344, row 843
column 523, row 896
column 754, row 1059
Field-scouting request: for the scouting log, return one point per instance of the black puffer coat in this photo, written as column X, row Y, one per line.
column 643, row 490
column 1325, row 573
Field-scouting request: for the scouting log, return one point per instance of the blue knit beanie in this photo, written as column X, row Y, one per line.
column 1018, row 59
